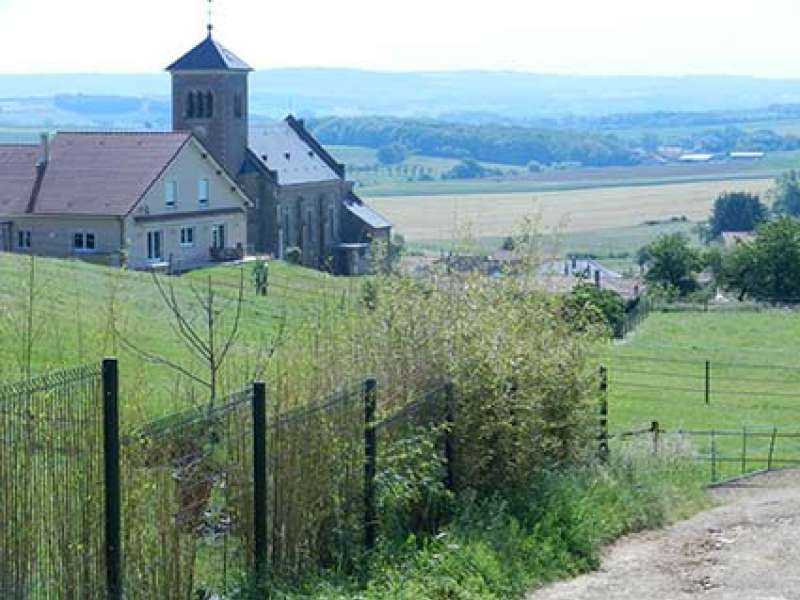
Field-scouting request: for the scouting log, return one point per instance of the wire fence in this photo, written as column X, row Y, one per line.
column 51, row 484
column 727, row 453
column 204, row 503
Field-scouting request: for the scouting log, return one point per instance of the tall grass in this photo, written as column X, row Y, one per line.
column 503, row 546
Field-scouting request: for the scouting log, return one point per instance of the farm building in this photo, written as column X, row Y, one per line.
column 78, row 198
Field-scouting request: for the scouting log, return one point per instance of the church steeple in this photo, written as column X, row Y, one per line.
column 209, row 97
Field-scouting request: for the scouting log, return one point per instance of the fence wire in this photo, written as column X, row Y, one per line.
column 51, row 487
column 188, row 503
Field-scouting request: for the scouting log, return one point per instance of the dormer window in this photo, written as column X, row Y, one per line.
column 287, row 156
column 202, row 192
column 171, row 194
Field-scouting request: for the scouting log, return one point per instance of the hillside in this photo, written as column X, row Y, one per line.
column 77, row 307
column 457, row 94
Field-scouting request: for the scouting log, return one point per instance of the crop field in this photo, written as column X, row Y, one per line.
column 428, row 218
column 659, row 374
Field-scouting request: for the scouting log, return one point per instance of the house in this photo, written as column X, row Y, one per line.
column 731, row 239
column 211, row 188
column 300, row 194
column 696, row 158
column 140, row 199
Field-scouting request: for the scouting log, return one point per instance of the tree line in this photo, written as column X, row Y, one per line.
column 513, row 145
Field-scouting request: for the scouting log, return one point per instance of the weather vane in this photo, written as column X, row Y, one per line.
column 210, row 25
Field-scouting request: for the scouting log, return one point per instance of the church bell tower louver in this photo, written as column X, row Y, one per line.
column 209, row 98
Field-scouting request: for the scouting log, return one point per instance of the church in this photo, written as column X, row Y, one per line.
column 213, row 188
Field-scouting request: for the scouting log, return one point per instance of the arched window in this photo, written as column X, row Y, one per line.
column 190, row 106
column 209, row 105
column 200, row 109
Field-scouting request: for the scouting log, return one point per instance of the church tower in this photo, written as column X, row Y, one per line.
column 209, row 98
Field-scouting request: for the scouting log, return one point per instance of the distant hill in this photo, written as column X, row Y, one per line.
column 468, row 96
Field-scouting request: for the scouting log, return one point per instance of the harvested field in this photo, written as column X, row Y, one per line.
column 422, row 218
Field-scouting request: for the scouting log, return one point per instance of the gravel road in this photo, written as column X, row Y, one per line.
column 747, row 548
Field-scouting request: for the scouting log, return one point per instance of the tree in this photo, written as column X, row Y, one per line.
column 200, row 324
column 736, row 211
column 786, row 194
column 671, row 261
column 392, row 154
column 767, row 268
column 588, row 305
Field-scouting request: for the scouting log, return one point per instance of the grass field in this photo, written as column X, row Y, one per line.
column 658, row 374
column 72, row 321
column 430, row 218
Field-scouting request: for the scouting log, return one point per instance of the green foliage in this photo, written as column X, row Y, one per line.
column 512, row 145
column 672, row 261
column 786, row 194
column 501, row 547
column 469, row 169
column 587, row 305
column 736, row 211
column 392, row 154
column 768, row 268
column 260, row 275
column 412, row 496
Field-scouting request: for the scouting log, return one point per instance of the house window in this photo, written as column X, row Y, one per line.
column 171, row 194
column 238, row 109
column 187, row 236
column 23, row 239
column 83, row 241
column 200, row 107
column 190, row 110
column 202, row 192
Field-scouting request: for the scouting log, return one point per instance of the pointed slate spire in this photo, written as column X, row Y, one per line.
column 209, row 55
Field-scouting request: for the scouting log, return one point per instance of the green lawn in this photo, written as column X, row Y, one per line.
column 658, row 374
column 73, row 316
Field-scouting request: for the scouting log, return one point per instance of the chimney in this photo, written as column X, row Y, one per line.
column 44, row 150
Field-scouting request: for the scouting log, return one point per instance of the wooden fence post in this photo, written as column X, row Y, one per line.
column 113, row 509
column 449, row 452
column 713, row 456
column 708, row 382
column 654, row 427
column 603, row 450
column 772, row 448
column 260, row 482
column 370, row 464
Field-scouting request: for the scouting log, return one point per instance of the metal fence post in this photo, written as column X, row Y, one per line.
column 772, row 448
column 449, row 453
column 603, row 450
column 370, row 464
column 260, row 481
column 113, row 512
column 708, row 382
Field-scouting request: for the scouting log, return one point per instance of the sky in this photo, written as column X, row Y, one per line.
column 611, row 37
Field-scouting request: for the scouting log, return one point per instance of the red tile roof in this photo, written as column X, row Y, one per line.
column 104, row 173
column 17, row 176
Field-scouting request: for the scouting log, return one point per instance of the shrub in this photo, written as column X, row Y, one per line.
column 294, row 255
column 588, row 305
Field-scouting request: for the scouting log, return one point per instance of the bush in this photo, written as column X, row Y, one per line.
column 294, row 255
column 588, row 305
column 501, row 547
column 392, row 154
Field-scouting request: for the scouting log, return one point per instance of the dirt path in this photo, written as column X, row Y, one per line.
column 748, row 548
